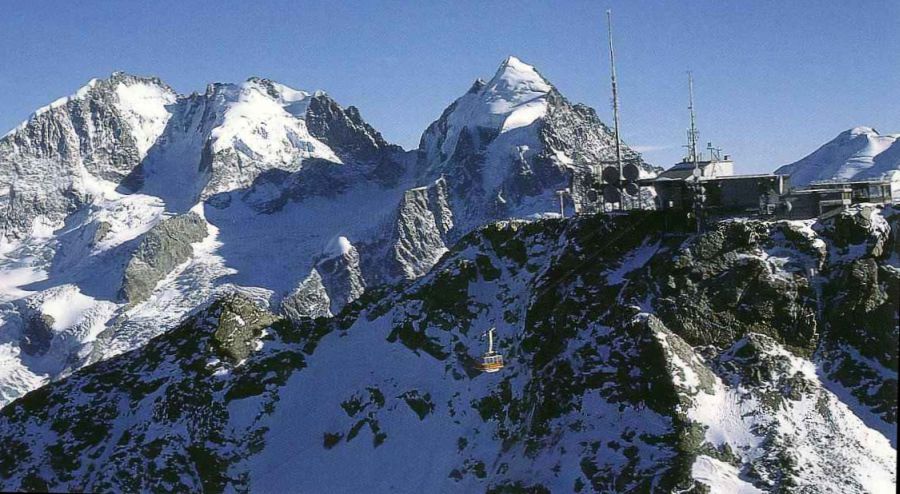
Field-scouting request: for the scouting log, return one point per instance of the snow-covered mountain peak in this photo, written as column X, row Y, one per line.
column 517, row 76
column 515, row 97
column 144, row 104
column 293, row 100
column 264, row 120
column 855, row 131
column 858, row 153
column 514, row 139
column 142, row 101
column 516, row 91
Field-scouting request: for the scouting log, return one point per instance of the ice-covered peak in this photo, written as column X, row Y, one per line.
column 515, row 73
column 120, row 77
column 265, row 121
column 293, row 100
column 141, row 100
column 515, row 83
column 338, row 246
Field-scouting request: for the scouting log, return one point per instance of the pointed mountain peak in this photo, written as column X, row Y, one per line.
column 516, row 63
column 514, row 73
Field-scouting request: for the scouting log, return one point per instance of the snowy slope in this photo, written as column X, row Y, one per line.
column 859, row 153
column 613, row 383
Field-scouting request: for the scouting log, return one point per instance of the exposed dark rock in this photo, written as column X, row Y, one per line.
column 100, row 233
column 718, row 289
column 309, row 300
column 240, row 324
column 342, row 276
column 164, row 247
column 37, row 333
column 861, row 226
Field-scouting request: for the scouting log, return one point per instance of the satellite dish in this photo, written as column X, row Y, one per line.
column 631, row 172
column 611, row 175
column 611, row 194
column 696, row 172
column 632, row 188
column 592, row 195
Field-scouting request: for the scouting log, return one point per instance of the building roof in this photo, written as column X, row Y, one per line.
column 722, row 177
column 752, row 175
column 689, row 165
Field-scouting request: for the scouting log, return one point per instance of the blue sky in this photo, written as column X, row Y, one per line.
column 773, row 80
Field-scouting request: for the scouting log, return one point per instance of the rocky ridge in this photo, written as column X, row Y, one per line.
column 639, row 358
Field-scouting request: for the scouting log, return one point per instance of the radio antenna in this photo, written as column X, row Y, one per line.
column 615, row 95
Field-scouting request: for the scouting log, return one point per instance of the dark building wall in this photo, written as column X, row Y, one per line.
column 742, row 193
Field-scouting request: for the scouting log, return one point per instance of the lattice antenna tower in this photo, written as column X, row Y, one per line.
column 693, row 135
column 615, row 93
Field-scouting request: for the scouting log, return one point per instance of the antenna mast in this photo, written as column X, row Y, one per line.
column 615, row 95
column 692, row 137
column 696, row 188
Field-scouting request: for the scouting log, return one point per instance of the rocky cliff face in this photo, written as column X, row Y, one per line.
column 638, row 358
column 49, row 164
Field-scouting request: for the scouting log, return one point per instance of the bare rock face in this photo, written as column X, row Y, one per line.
column 344, row 130
column 309, row 300
column 421, row 230
column 96, row 133
column 37, row 333
column 341, row 274
column 723, row 284
column 163, row 248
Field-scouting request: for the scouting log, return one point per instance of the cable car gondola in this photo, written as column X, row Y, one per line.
column 491, row 361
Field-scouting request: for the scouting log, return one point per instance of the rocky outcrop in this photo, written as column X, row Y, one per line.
column 37, row 333
column 164, row 247
column 725, row 284
column 239, row 326
column 861, row 225
column 344, row 130
column 862, row 297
